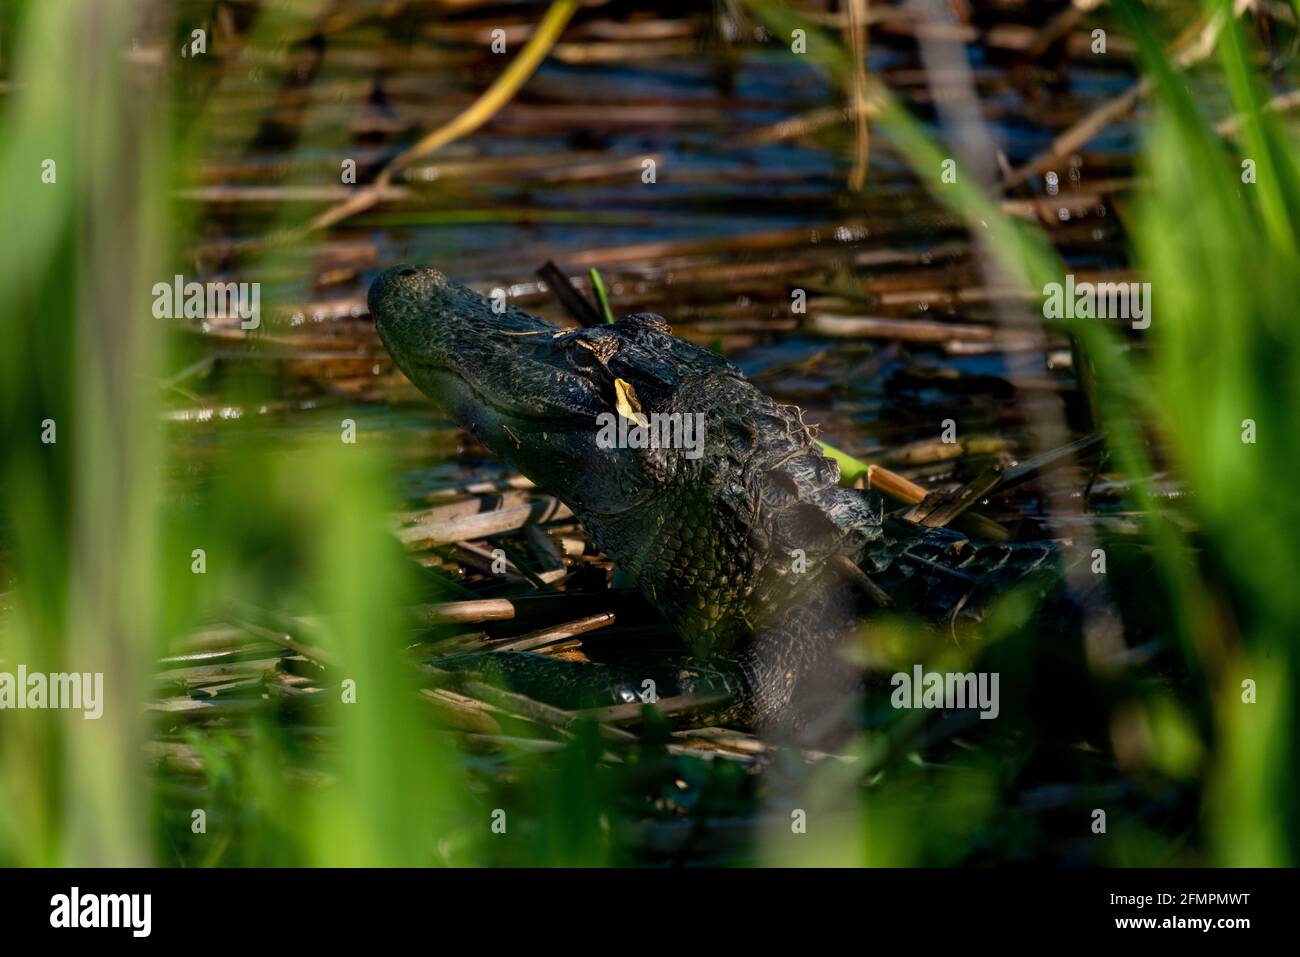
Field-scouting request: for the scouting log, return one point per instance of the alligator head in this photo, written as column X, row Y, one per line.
column 722, row 529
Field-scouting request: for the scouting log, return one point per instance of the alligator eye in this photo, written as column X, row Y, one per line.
column 583, row 358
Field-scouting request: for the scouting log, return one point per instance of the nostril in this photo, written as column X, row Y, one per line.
column 404, row 273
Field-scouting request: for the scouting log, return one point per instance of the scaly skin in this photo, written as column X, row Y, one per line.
column 740, row 548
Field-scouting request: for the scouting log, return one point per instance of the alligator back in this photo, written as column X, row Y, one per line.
column 938, row 574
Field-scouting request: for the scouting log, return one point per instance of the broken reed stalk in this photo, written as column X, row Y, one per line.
column 679, row 704
column 863, row 581
column 1191, row 47
column 573, row 301
column 1059, row 26
column 289, row 642
column 857, row 30
column 462, row 612
column 479, row 112
column 894, row 485
column 521, row 705
column 427, row 534
column 549, row 636
column 904, row 490
column 1278, row 104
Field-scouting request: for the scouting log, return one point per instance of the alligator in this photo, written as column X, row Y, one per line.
column 752, row 550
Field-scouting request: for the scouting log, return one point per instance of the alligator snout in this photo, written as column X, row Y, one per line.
column 403, row 290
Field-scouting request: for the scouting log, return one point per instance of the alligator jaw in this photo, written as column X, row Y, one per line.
column 486, row 366
column 522, row 385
